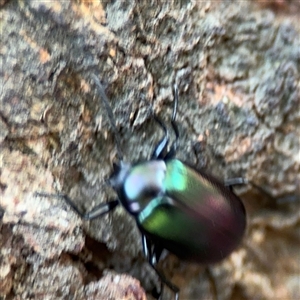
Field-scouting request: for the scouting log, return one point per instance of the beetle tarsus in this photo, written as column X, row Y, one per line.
column 168, row 283
column 212, row 282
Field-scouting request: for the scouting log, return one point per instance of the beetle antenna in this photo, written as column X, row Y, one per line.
column 105, row 101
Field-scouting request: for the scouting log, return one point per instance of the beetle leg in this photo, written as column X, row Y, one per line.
column 241, row 181
column 161, row 147
column 230, row 183
column 96, row 212
column 158, row 294
column 163, row 143
column 100, row 210
column 146, row 246
column 152, row 253
column 168, row 283
column 173, row 147
column 212, row 282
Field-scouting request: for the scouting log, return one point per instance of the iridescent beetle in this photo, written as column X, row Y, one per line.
column 177, row 208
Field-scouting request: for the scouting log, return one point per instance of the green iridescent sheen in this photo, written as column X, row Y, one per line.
column 164, row 216
column 186, row 184
column 176, row 175
column 192, row 217
column 161, row 218
column 154, row 221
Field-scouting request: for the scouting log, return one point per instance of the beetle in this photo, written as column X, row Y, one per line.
column 176, row 207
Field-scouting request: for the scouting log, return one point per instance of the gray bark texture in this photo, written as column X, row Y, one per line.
column 237, row 66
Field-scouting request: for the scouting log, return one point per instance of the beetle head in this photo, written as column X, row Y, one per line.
column 119, row 174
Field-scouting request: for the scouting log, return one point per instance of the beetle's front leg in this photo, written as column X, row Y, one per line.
column 96, row 212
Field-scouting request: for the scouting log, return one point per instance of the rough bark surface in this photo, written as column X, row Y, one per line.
column 237, row 65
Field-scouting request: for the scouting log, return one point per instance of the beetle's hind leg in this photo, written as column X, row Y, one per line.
column 230, row 183
column 152, row 253
column 96, row 212
column 212, row 282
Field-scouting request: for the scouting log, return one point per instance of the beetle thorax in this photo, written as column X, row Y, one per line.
column 138, row 185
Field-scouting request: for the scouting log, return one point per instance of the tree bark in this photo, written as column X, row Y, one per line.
column 237, row 68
